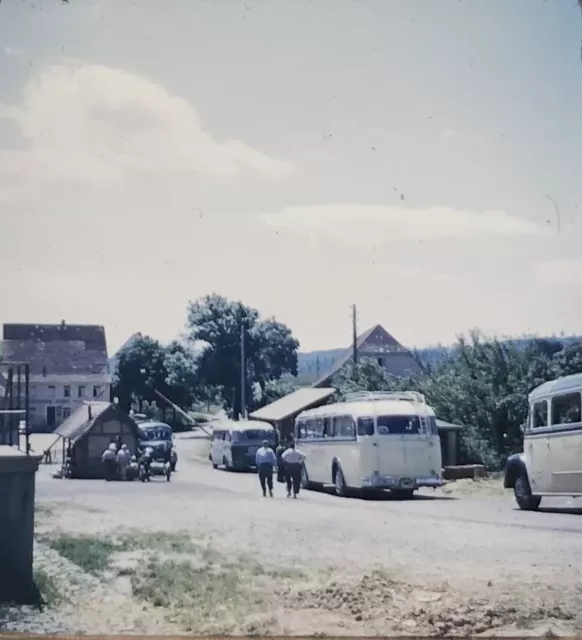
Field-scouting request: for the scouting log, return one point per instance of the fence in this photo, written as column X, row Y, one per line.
column 14, row 404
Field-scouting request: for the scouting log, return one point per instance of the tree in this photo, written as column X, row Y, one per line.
column 140, row 370
column 482, row 384
column 273, row 390
column 270, row 349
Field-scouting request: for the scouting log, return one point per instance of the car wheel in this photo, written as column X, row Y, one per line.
column 340, row 483
column 522, row 493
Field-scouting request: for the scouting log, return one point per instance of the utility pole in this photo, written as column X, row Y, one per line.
column 354, row 334
column 317, row 366
column 243, row 377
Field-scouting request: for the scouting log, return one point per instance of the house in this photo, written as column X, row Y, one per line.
column 89, row 430
column 68, row 365
column 282, row 413
column 377, row 344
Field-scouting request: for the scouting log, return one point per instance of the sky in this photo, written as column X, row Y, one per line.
column 419, row 159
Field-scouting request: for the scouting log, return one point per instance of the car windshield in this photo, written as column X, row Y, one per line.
column 253, row 434
column 157, row 433
column 398, row 425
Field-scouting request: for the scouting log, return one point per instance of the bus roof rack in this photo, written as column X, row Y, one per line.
column 376, row 396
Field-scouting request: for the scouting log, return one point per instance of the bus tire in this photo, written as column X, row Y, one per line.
column 523, row 496
column 339, row 483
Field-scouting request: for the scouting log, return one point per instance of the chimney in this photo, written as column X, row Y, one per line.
column 89, row 410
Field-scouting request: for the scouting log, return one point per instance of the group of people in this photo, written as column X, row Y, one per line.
column 118, row 461
column 289, row 463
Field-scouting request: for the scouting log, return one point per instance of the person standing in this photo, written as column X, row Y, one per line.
column 280, row 464
column 266, row 460
column 123, row 460
column 293, row 461
column 109, row 460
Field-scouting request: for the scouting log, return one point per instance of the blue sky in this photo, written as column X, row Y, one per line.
column 300, row 156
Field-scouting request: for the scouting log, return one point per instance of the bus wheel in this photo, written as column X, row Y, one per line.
column 340, row 483
column 523, row 496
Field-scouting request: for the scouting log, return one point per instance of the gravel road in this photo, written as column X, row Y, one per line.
column 480, row 548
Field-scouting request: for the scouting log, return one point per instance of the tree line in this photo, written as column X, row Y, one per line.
column 205, row 365
column 481, row 384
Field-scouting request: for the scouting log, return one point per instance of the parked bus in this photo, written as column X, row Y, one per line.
column 235, row 444
column 371, row 441
column 551, row 462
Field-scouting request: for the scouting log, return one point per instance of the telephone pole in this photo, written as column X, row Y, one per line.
column 243, row 377
column 354, row 334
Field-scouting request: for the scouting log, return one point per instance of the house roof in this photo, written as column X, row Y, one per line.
column 57, row 348
column 291, row 404
column 377, row 338
column 82, row 420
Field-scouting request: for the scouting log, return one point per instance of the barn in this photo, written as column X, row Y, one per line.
column 89, row 430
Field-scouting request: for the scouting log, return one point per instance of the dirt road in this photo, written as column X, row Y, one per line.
column 444, row 564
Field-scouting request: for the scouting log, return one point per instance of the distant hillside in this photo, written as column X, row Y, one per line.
column 308, row 364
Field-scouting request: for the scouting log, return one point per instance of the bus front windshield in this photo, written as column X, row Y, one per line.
column 398, row 425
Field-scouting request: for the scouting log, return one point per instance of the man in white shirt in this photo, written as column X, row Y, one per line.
column 293, row 460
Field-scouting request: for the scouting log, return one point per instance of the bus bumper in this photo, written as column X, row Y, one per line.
column 392, row 482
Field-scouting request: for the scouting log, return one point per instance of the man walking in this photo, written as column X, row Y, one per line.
column 293, row 461
column 109, row 460
column 265, row 461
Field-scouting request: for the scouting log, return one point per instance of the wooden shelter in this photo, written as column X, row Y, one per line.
column 89, row 430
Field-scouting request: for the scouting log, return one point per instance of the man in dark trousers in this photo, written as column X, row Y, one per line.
column 293, row 461
column 266, row 460
column 280, row 464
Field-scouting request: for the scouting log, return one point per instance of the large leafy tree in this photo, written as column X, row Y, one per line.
column 140, row 370
column 270, row 349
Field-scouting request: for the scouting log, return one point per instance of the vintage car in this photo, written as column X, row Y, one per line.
column 157, row 435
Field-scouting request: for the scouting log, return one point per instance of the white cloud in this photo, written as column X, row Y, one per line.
column 367, row 223
column 448, row 133
column 560, row 273
column 12, row 52
column 94, row 123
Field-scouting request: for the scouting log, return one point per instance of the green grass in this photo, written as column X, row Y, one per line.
column 48, row 588
column 93, row 554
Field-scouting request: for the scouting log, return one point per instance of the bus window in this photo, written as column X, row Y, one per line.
column 318, row 428
column 365, row 426
column 310, row 428
column 566, row 408
column 344, row 427
column 328, row 427
column 398, row 425
column 540, row 414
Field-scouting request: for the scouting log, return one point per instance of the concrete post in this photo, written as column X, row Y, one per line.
column 451, row 448
column 17, row 489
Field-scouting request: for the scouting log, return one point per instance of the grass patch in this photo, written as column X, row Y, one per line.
column 90, row 553
column 47, row 587
column 93, row 554
column 209, row 593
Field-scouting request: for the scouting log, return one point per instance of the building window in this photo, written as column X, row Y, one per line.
column 380, row 361
column 52, row 390
column 67, row 391
column 66, row 412
column 96, row 390
column 81, row 391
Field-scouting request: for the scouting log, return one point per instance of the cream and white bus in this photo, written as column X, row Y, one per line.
column 385, row 440
column 551, row 462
